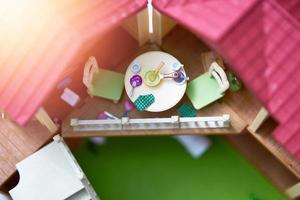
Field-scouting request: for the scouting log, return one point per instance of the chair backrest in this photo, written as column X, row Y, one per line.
column 218, row 73
column 90, row 68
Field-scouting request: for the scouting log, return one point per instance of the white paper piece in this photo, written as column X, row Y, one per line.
column 70, row 97
column 98, row 140
column 4, row 196
column 196, row 145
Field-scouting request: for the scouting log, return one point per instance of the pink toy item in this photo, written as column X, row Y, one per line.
column 102, row 115
column 106, row 115
column 128, row 106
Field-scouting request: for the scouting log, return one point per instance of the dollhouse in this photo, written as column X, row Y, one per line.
column 256, row 42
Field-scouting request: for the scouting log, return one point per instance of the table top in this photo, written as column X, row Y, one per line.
column 168, row 93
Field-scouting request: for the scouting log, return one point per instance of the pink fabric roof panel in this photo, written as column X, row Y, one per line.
column 39, row 39
column 261, row 40
column 210, row 19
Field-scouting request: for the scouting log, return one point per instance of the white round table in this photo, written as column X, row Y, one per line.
column 168, row 93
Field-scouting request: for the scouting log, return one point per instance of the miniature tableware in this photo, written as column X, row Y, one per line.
column 155, row 73
column 135, row 68
column 170, row 75
column 150, row 82
column 181, row 78
column 158, row 78
column 177, row 66
column 135, row 81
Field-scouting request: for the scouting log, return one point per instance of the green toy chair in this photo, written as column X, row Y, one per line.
column 101, row 82
column 208, row 87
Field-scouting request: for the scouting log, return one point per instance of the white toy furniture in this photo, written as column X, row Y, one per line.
column 52, row 173
column 168, row 93
column 174, row 122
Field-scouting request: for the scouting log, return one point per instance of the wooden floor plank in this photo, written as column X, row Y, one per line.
column 6, row 166
column 16, row 143
column 14, row 135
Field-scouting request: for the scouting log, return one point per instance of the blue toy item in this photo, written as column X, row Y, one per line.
column 135, row 68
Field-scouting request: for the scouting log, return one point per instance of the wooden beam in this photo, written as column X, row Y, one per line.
column 2, row 114
column 43, row 117
column 138, row 27
column 259, row 119
column 142, row 27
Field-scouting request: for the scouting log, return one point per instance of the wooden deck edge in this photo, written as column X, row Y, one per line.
column 211, row 131
column 265, row 138
column 263, row 160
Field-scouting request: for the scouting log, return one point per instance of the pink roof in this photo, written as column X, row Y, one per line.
column 34, row 55
column 261, row 40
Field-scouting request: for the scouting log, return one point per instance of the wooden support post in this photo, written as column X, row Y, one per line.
column 142, row 27
column 294, row 191
column 2, row 114
column 138, row 27
column 156, row 37
column 259, row 119
column 43, row 117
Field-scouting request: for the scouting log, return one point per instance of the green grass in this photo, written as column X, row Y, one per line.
column 148, row 168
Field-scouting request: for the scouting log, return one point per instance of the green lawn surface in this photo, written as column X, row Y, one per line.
column 159, row 168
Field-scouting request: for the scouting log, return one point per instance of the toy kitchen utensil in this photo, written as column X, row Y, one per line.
column 154, row 74
column 181, row 78
column 135, row 81
column 159, row 77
